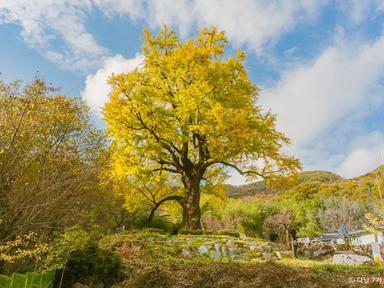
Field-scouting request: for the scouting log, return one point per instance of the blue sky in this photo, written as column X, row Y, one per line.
column 320, row 63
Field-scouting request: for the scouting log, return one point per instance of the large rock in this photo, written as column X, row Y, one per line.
column 217, row 245
column 232, row 252
column 267, row 247
column 185, row 252
column 203, row 250
column 325, row 250
column 215, row 255
column 316, row 249
column 254, row 246
column 231, row 243
column 267, row 256
column 350, row 259
column 365, row 250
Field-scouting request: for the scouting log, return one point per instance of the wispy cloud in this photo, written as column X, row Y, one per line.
column 247, row 22
column 358, row 10
column 96, row 90
column 57, row 30
column 326, row 89
column 309, row 99
column 366, row 152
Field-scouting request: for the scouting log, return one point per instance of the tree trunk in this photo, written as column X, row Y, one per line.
column 191, row 208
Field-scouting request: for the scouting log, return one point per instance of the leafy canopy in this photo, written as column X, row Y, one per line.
column 49, row 159
column 189, row 107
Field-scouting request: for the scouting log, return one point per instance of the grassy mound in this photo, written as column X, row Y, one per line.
column 155, row 246
column 154, row 259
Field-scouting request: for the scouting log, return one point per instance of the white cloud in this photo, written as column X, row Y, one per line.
column 133, row 8
column 246, row 22
column 180, row 14
column 359, row 10
column 309, row 99
column 365, row 154
column 57, row 29
column 96, row 90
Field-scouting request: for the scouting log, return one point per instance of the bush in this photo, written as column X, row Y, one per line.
column 93, row 265
column 71, row 239
column 194, row 232
column 229, row 232
column 161, row 223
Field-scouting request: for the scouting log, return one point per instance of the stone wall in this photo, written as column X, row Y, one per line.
column 328, row 249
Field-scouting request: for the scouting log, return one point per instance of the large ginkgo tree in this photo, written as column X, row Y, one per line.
column 186, row 116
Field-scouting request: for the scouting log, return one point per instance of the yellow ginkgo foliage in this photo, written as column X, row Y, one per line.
column 184, row 116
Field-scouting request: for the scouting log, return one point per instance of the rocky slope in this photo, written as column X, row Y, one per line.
column 152, row 245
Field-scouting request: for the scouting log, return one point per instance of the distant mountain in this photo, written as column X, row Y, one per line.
column 320, row 176
column 248, row 190
column 322, row 181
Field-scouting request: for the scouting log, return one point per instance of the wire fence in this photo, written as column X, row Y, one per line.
column 28, row 280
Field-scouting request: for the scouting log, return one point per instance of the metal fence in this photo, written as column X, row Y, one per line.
column 28, row 280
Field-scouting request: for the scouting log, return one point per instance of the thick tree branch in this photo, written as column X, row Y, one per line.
column 167, row 169
column 177, row 198
column 168, row 146
column 241, row 172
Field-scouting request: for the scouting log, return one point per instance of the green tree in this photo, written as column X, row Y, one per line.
column 184, row 117
column 49, row 160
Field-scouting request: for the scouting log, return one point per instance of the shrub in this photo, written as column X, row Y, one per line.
column 72, row 239
column 93, row 265
column 161, row 223
column 229, row 232
column 194, row 232
column 22, row 254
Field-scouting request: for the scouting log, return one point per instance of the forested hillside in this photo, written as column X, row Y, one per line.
column 324, row 181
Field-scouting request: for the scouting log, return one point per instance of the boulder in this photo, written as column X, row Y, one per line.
column 233, row 252
column 267, row 256
column 365, row 250
column 267, row 247
column 231, row 243
column 316, row 249
column 324, row 250
column 350, row 259
column 215, row 255
column 217, row 245
column 185, row 252
column 203, row 250
column 254, row 246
